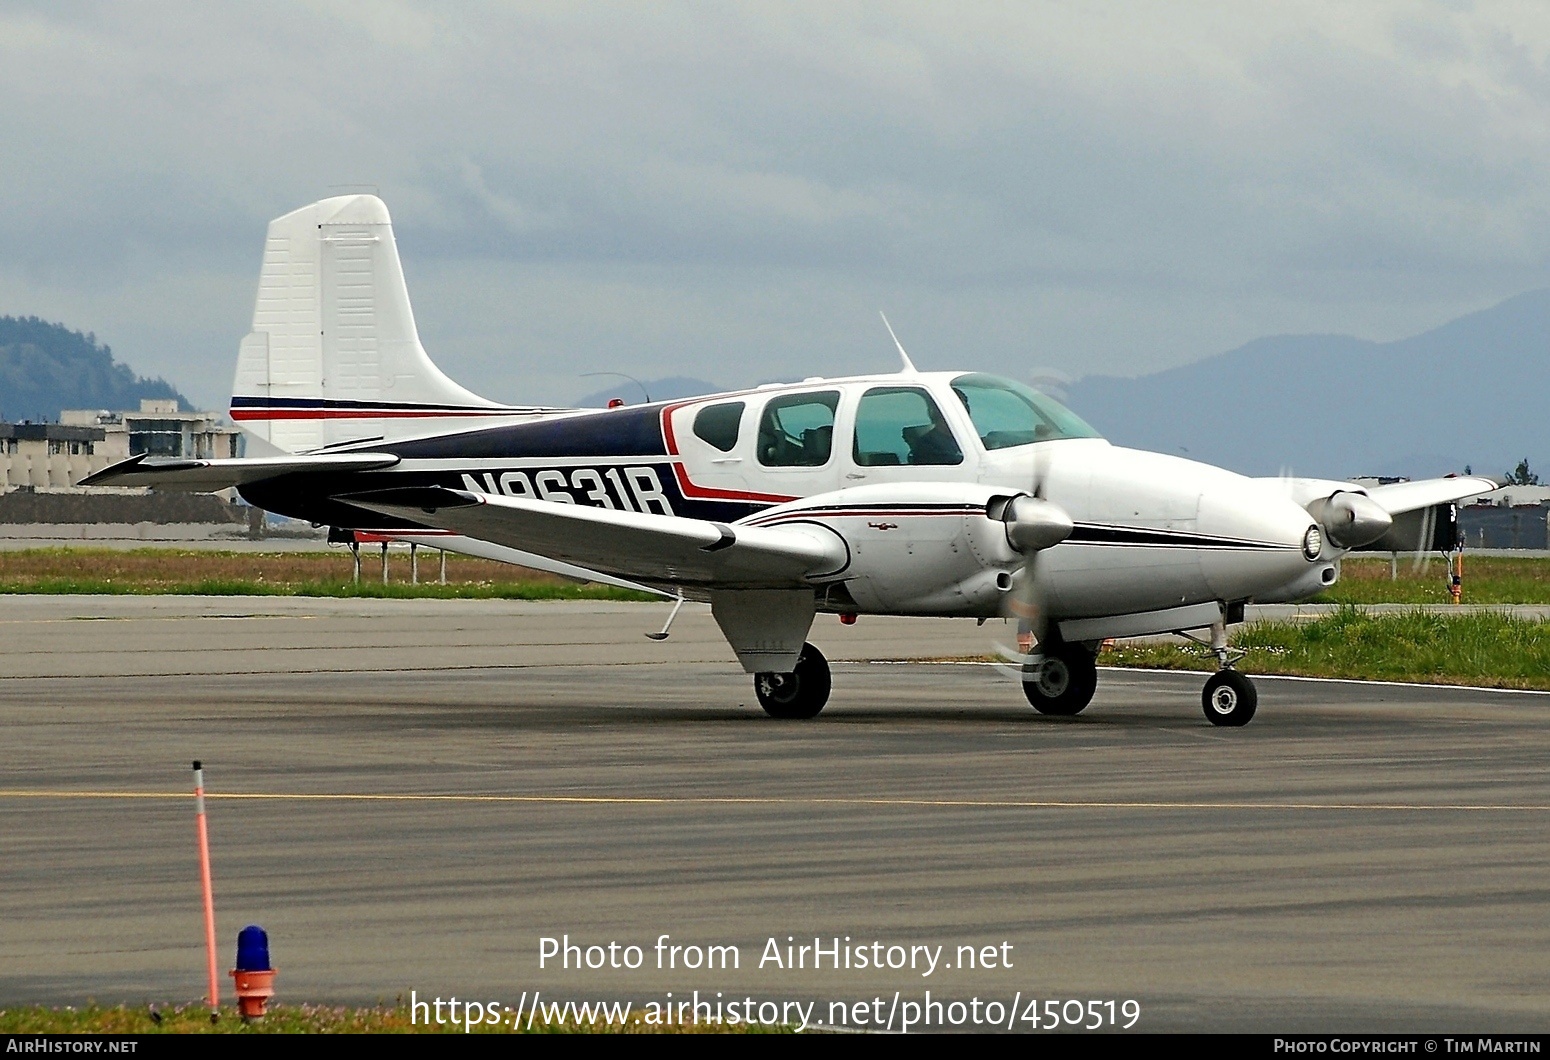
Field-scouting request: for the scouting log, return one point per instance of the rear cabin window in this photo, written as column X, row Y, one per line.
column 902, row 425
column 797, row 430
column 717, row 425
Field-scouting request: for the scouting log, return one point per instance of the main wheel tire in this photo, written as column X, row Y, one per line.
column 1063, row 682
column 799, row 694
column 1229, row 698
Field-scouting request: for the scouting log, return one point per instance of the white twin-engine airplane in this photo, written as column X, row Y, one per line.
column 913, row 493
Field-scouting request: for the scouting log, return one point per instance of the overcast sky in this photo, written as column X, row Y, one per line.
column 732, row 191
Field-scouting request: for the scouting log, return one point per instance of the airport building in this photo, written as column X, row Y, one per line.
column 57, row 456
column 42, row 465
column 1513, row 517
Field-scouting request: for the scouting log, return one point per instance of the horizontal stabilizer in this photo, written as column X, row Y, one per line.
column 207, row 476
column 665, row 549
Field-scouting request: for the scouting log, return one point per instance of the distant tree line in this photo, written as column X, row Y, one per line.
column 47, row 367
column 1522, row 476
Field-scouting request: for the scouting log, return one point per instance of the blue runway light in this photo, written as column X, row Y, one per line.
column 252, row 949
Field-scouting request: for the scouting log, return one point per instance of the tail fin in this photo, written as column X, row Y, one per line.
column 334, row 356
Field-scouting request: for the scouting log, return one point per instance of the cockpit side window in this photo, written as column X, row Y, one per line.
column 717, row 425
column 797, row 430
column 902, row 425
column 1007, row 413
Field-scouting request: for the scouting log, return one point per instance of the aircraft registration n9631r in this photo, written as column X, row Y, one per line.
column 912, row 493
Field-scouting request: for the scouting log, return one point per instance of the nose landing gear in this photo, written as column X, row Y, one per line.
column 1229, row 697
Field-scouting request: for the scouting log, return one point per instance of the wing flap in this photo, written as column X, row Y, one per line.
column 636, row 545
column 207, row 476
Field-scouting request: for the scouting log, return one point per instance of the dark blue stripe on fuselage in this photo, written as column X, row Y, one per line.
column 1091, row 534
column 632, row 431
column 351, row 403
column 313, row 496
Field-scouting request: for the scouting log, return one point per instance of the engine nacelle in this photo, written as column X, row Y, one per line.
column 925, row 548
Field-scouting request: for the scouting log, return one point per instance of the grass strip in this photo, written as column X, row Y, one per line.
column 1364, row 580
column 507, row 590
column 1484, row 649
column 1487, row 580
column 305, row 1019
column 155, row 571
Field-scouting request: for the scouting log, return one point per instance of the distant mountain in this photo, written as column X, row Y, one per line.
column 678, row 386
column 1475, row 391
column 47, row 367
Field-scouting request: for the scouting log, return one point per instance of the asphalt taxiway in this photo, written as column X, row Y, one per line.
column 410, row 794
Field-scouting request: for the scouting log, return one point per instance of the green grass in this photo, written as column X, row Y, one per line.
column 512, row 590
column 1487, row 580
column 1486, row 649
column 292, row 1019
column 152, row 571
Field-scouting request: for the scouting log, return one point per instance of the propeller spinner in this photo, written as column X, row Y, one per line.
column 1350, row 520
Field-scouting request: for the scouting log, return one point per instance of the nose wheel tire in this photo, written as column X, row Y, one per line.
column 799, row 694
column 1062, row 683
column 1229, row 698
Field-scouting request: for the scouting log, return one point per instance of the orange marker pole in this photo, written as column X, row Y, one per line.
column 204, row 880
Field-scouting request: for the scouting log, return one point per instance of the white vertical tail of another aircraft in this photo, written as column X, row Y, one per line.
column 334, row 355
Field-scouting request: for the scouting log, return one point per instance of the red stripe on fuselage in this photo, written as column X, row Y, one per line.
column 705, row 493
column 710, row 493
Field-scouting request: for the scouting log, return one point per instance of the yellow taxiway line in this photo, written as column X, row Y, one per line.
column 751, row 800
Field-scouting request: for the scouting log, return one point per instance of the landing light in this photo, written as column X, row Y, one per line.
column 1312, row 543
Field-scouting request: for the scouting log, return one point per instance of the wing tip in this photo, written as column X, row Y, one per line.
column 105, row 476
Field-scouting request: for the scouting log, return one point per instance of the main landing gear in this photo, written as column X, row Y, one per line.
column 799, row 694
column 1063, row 681
column 1229, row 697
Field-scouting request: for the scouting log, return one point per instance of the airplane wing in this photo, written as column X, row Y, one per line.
column 1400, row 497
column 207, row 476
column 637, row 545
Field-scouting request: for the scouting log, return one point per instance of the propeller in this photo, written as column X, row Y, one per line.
column 1033, row 524
column 1424, row 539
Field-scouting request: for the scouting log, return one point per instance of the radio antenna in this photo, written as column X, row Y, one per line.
column 909, row 365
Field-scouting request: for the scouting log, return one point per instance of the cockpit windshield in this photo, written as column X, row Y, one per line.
column 1007, row 413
